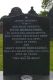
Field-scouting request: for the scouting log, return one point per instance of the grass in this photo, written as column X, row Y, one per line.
column 51, row 55
column 1, row 54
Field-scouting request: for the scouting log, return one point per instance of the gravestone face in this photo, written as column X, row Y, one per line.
column 26, row 45
column 50, row 15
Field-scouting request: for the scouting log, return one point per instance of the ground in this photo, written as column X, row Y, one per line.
column 51, row 55
column 1, row 53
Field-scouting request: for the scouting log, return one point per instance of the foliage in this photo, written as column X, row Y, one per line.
column 43, row 13
column 47, row 3
column 44, row 3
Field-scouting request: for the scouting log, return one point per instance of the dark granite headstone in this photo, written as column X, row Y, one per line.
column 50, row 15
column 26, row 45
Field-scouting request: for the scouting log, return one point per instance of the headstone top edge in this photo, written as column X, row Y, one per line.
column 17, row 11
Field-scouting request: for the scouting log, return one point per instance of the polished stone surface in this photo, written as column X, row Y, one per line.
column 33, row 77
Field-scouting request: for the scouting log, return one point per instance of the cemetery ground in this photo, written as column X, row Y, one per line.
column 1, row 53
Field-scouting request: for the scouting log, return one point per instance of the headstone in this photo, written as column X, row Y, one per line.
column 50, row 15
column 25, row 45
column 15, row 11
column 1, row 27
